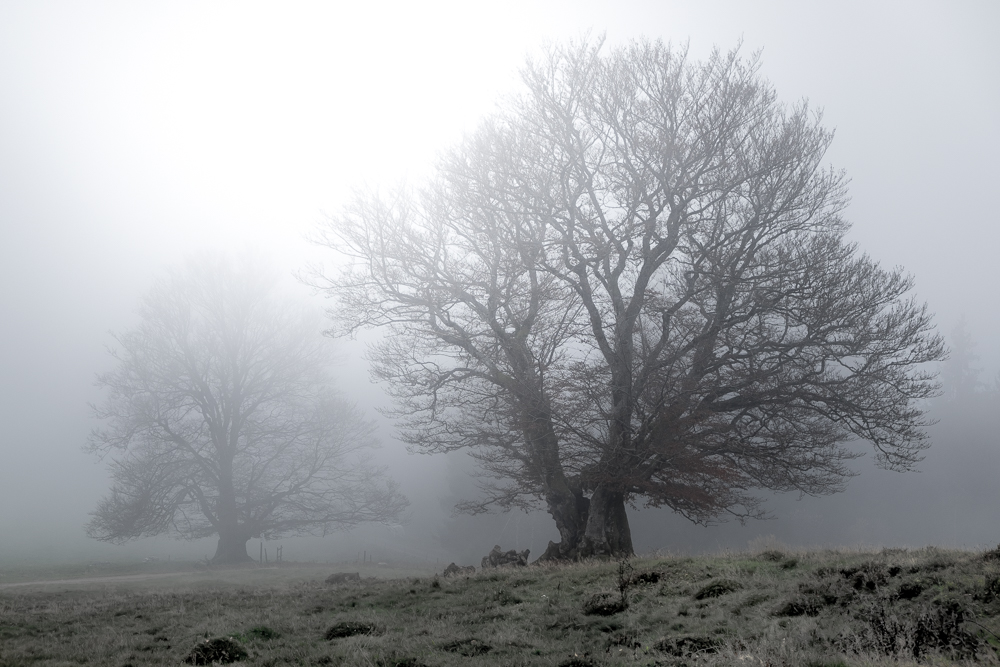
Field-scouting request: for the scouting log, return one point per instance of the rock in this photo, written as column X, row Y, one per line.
column 343, row 577
column 454, row 569
column 500, row 558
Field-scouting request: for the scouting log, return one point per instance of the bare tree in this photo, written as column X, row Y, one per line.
column 221, row 420
column 641, row 262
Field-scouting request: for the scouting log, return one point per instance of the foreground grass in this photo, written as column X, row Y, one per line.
column 927, row 606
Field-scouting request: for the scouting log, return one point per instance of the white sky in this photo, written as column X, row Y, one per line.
column 134, row 133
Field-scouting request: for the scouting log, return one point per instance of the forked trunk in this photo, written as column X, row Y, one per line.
column 594, row 527
column 607, row 532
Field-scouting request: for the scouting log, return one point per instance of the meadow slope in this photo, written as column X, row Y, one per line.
column 818, row 608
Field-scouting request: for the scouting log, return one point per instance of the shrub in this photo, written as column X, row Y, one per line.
column 940, row 629
column 991, row 589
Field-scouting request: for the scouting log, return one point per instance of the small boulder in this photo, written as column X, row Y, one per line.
column 454, row 569
column 343, row 577
column 500, row 558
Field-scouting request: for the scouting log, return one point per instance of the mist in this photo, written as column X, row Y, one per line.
column 133, row 136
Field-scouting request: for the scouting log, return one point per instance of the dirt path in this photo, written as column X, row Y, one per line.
column 92, row 580
column 110, row 579
column 266, row 576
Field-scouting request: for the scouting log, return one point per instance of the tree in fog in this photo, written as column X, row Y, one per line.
column 220, row 419
column 960, row 374
column 632, row 285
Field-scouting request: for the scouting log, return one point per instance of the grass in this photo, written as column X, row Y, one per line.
column 816, row 609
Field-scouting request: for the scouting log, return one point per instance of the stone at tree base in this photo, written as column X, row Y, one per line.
column 454, row 569
column 343, row 577
column 500, row 558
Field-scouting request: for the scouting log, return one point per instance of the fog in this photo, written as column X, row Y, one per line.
column 133, row 135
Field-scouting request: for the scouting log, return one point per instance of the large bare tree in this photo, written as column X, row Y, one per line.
column 632, row 284
column 220, row 419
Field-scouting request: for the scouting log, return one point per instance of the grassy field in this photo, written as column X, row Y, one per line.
column 927, row 606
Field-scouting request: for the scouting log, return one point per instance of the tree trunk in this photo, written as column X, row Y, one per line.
column 232, row 548
column 607, row 532
column 616, row 528
column 564, row 498
column 569, row 510
column 233, row 539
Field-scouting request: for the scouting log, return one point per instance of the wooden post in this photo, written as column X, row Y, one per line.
column 261, row 559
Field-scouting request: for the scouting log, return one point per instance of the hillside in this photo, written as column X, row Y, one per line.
column 926, row 606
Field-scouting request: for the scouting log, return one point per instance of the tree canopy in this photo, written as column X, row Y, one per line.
column 221, row 419
column 632, row 284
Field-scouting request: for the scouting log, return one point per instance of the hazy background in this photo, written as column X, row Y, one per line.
column 133, row 134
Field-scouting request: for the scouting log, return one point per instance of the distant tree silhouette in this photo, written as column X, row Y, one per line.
column 220, row 420
column 961, row 372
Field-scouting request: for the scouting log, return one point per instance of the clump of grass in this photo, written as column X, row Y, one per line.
column 350, row 629
column 469, row 647
column 504, row 597
column 718, row 588
column 799, row 606
column 687, row 646
column 218, row 650
column 640, row 578
column 259, row 633
column 400, row 662
column 603, row 604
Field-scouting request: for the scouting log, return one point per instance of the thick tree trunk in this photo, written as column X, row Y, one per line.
column 232, row 548
column 607, row 532
column 616, row 528
column 570, row 514
column 563, row 497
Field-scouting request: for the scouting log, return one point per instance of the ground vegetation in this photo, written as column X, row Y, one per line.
column 822, row 608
